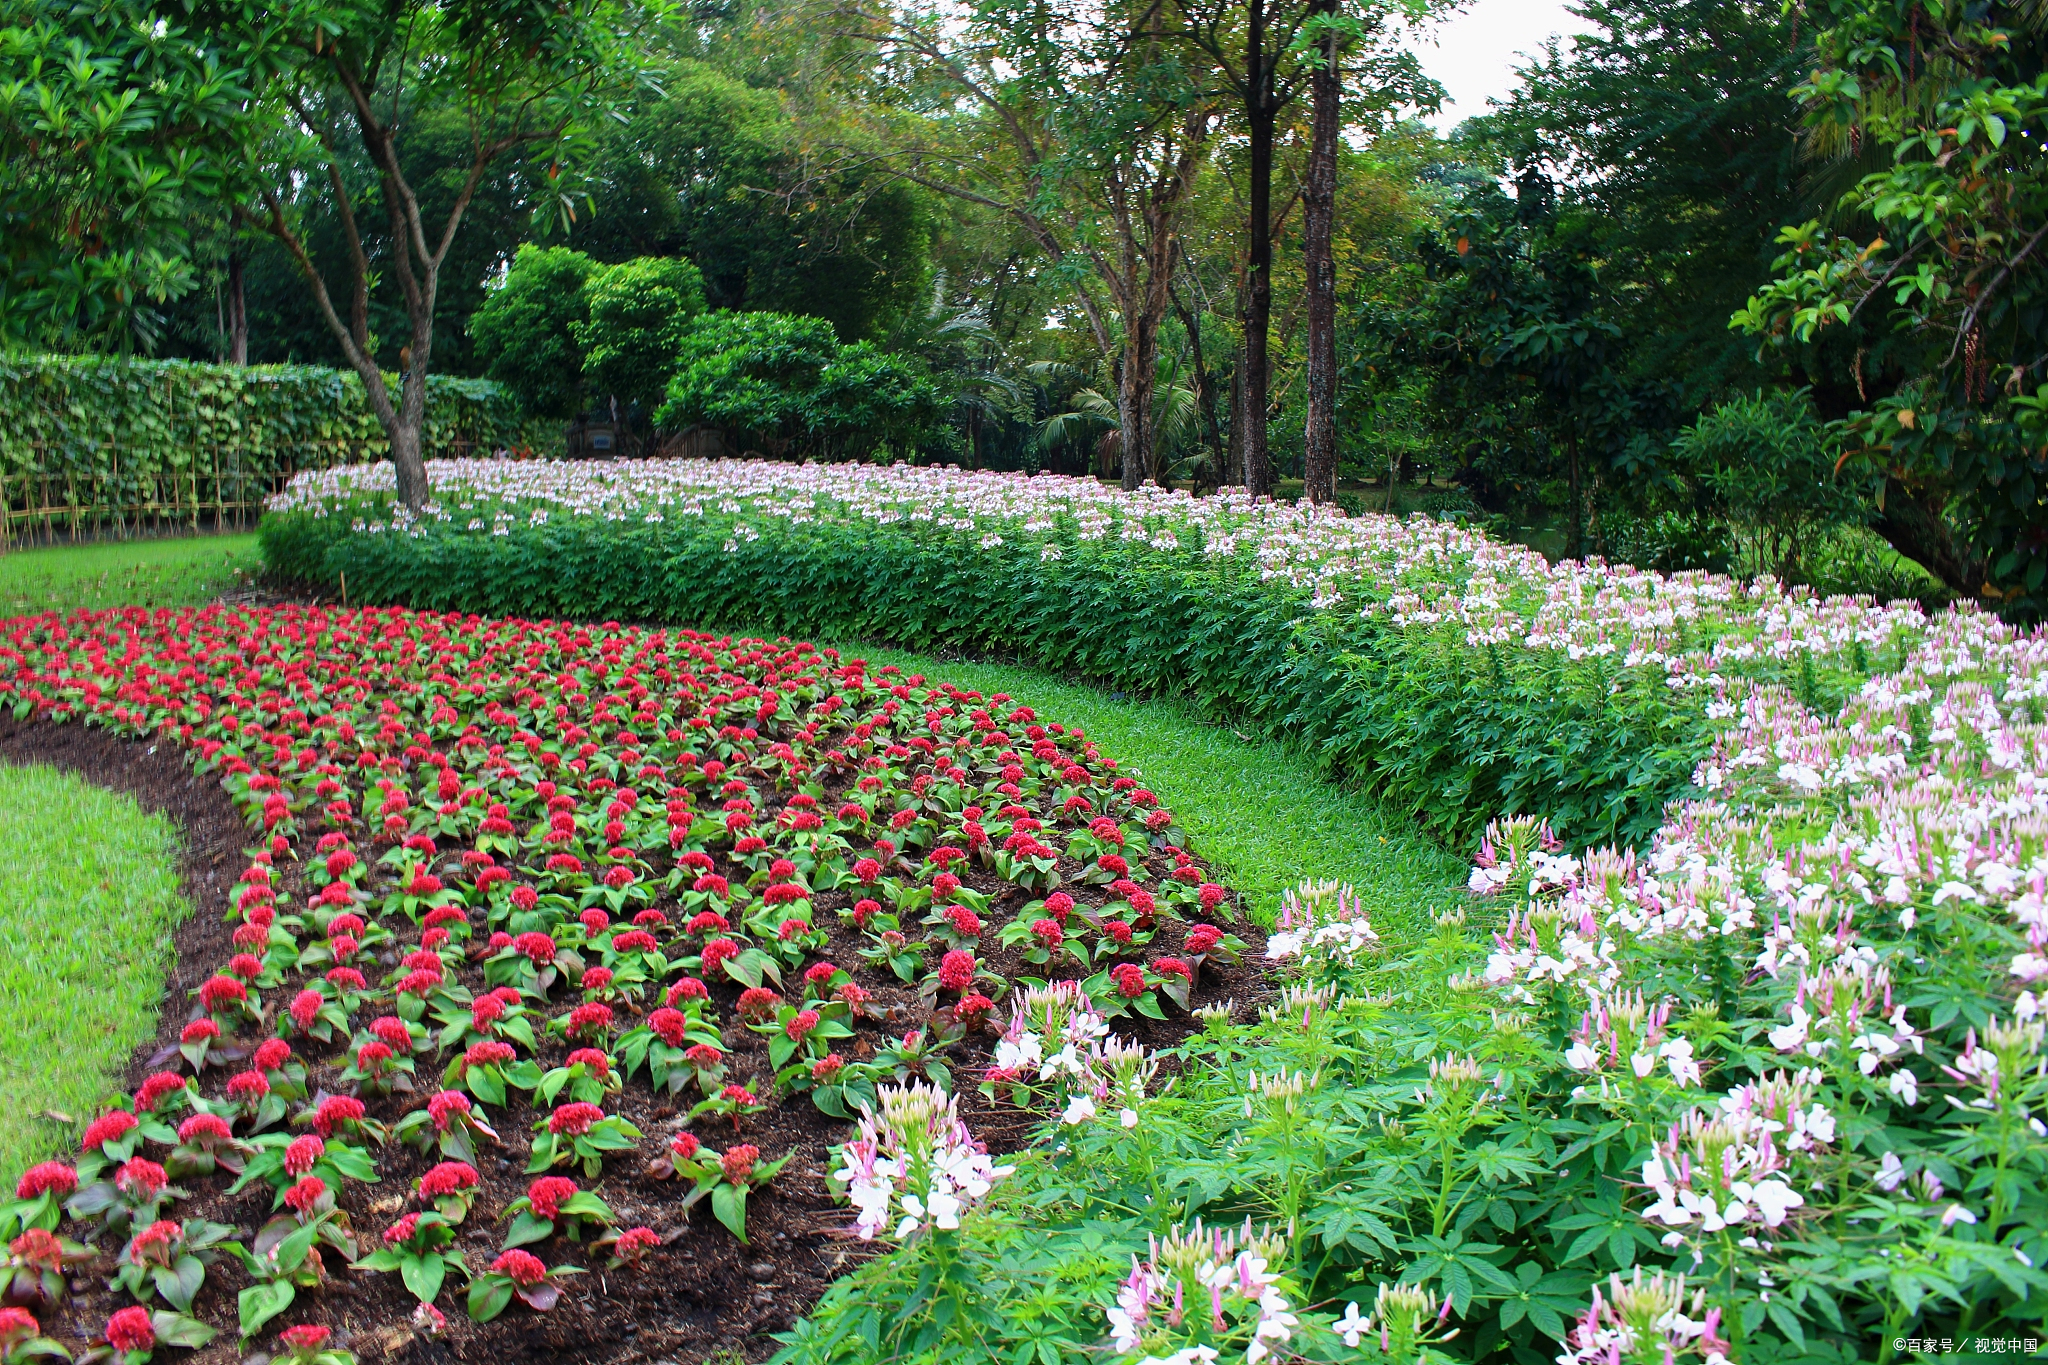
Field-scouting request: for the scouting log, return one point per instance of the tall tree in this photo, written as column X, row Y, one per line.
column 1385, row 77
column 358, row 74
column 1950, row 100
column 1083, row 123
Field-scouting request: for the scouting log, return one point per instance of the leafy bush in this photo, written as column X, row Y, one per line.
column 638, row 322
column 525, row 330
column 789, row 381
column 1454, row 675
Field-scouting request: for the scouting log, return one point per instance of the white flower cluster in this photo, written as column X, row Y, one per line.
column 1413, row 574
column 1219, row 1288
column 1056, row 1039
column 1646, row 1318
column 1323, row 924
column 913, row 1162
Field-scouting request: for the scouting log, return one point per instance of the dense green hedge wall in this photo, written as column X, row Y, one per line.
column 1454, row 735
column 75, row 414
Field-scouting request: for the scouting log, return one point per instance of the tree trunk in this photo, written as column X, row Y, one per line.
column 1134, row 399
column 1319, row 212
column 238, row 312
column 1233, row 450
column 1578, row 541
column 1260, row 117
column 1916, row 528
column 1205, row 391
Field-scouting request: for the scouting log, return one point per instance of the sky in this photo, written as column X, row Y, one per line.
column 1475, row 52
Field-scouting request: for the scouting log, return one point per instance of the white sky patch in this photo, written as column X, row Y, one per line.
column 1474, row 53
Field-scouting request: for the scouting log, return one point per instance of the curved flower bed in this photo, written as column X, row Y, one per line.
column 552, row 934
column 1457, row 676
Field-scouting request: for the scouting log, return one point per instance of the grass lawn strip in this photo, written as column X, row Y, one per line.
column 144, row 573
column 89, row 896
column 1253, row 806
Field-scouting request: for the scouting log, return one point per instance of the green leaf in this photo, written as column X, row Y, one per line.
column 488, row 1296
column 729, row 1206
column 527, row 1228
column 423, row 1275
column 259, row 1303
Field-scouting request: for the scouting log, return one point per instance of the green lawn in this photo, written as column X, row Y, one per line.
column 88, row 898
column 1249, row 805
column 148, row 573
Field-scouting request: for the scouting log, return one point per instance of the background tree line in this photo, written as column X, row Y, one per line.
column 1724, row 283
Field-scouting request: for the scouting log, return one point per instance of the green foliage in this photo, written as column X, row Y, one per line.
column 88, row 897
column 1770, row 464
column 1440, row 730
column 791, row 382
column 637, row 326
column 113, row 136
column 77, row 415
column 1951, row 101
column 524, row 332
column 142, row 573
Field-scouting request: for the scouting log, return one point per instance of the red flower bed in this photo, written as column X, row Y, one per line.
column 549, row 932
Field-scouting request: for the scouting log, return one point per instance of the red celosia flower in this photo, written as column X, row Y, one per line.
column 247, row 1086
column 204, row 1128
column 219, row 992
column 537, row 947
column 650, row 919
column 1118, row 932
column 1203, row 937
column 863, row 911
column 589, row 1019
column 306, row 1337
column 404, row 1230
column 634, row 1243
column 594, row 921
column 688, row 988
column 548, row 1194
column 302, row 1153
column 1129, row 979
column 738, row 1162
column 592, row 1060
column 956, row 968
column 738, row 1094
column 758, row 1003
column 301, row 1197
column 684, row 1146
column 703, row 1055
column 158, row 1087
column 305, row 1008
column 485, row 1011
column 141, row 1179
column 445, row 1107
column 826, row 1067
column 1213, row 896
column 1059, row 905
column 372, row 1057
column 711, row 884
column 271, row 1054
column 854, row 994
column 801, row 1025
column 46, row 1176
column 523, row 1268
column 973, row 1008
column 247, row 966
column 1110, row 862
column 633, row 941
column 791, row 928
column 38, row 1248
column 707, row 922
column 668, row 1025
column 155, row 1237
column 346, row 979
column 111, row 1126
column 1173, row 966
column 1048, row 933
column 448, row 1178
column 718, row 952
column 488, row 1052
column 819, row 973
column 574, row 1119
column 391, row 1031
column 524, row 898
column 130, row 1330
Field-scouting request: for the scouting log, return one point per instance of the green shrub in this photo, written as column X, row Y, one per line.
column 638, row 319
column 790, row 381
column 525, row 330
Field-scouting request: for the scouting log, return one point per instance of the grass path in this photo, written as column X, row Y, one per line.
column 125, row 573
column 1251, row 806
column 88, row 898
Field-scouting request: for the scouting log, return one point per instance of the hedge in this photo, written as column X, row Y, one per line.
column 1452, row 735
column 65, row 414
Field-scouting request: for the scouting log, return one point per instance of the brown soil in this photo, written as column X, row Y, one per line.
column 701, row 1295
